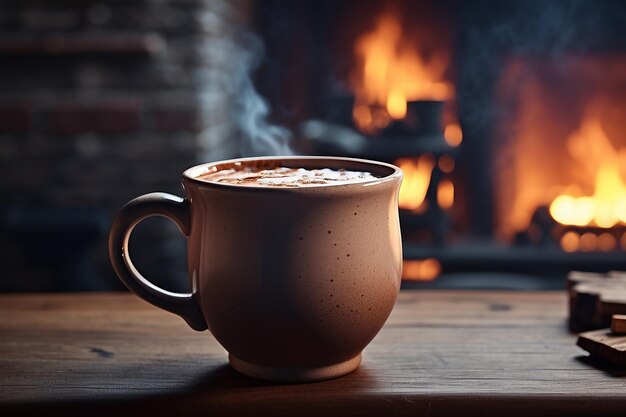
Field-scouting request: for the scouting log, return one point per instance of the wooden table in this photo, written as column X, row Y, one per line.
column 441, row 353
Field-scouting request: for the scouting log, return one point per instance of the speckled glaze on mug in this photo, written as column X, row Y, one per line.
column 293, row 282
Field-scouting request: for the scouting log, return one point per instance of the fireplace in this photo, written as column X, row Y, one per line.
column 563, row 153
column 507, row 120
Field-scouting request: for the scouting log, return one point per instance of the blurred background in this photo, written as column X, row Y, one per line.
column 508, row 119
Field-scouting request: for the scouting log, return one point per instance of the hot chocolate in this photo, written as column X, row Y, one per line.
column 286, row 177
column 293, row 282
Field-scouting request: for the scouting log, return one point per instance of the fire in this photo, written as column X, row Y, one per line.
column 572, row 242
column 606, row 207
column 453, row 134
column 417, row 174
column 421, row 270
column 445, row 194
column 391, row 72
column 562, row 146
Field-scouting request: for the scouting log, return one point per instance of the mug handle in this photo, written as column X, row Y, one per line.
column 154, row 204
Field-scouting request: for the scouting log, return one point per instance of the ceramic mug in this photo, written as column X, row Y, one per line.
column 293, row 282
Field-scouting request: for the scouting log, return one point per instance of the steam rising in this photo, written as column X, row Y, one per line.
column 234, row 115
column 251, row 111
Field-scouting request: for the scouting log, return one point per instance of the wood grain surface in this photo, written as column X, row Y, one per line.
column 440, row 353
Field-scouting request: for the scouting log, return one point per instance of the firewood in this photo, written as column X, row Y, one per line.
column 605, row 345
column 594, row 298
column 618, row 324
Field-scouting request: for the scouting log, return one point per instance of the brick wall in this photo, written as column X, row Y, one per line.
column 101, row 101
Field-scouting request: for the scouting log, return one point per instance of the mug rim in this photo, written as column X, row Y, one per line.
column 193, row 172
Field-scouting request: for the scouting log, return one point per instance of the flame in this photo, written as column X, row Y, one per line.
column 417, row 176
column 392, row 72
column 445, row 194
column 562, row 147
column 446, row 164
column 453, row 134
column 591, row 147
column 421, row 270
column 607, row 242
column 570, row 241
column 417, row 173
column 588, row 242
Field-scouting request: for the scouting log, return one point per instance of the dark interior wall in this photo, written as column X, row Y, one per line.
column 101, row 101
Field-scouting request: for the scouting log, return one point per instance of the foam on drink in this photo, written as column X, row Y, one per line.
column 286, row 177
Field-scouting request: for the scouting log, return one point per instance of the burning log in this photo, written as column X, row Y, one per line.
column 423, row 118
column 399, row 89
column 544, row 230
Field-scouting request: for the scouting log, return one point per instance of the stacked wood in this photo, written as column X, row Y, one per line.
column 608, row 344
column 594, row 298
column 618, row 324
